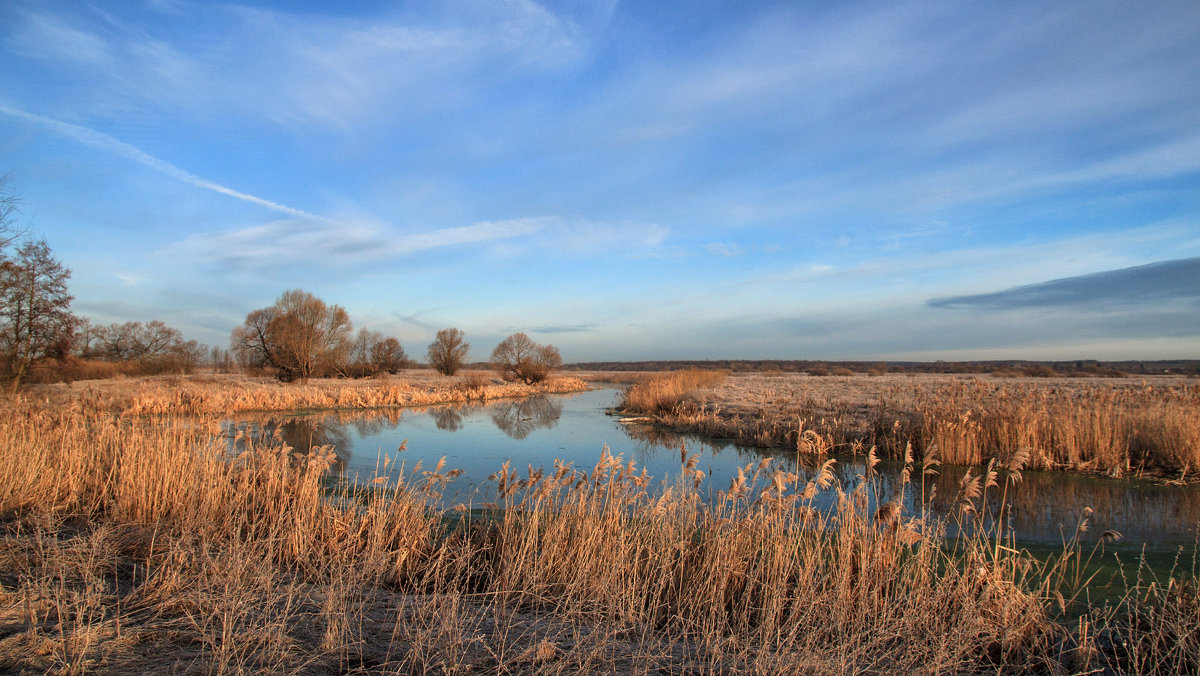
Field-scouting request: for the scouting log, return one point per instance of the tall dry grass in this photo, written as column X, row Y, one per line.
column 1117, row 430
column 1116, row 427
column 667, row 392
column 150, row 547
column 206, row 394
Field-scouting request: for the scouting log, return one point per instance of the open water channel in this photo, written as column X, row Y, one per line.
column 478, row 439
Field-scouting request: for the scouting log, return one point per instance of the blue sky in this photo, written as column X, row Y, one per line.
column 625, row 180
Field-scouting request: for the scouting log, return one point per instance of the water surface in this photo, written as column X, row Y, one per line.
column 477, row 439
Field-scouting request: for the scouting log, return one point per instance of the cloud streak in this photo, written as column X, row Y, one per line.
column 101, row 141
column 291, row 241
column 1165, row 281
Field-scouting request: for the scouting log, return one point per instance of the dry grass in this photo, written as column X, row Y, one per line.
column 668, row 392
column 1117, row 426
column 143, row 546
column 227, row 394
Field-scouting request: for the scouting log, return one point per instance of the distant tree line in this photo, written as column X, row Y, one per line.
column 301, row 337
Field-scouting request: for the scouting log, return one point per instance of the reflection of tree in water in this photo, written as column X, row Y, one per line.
column 302, row 434
column 518, row 419
column 448, row 419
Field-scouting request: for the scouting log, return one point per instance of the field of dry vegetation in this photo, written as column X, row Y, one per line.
column 143, row 544
column 1118, row 427
column 227, row 393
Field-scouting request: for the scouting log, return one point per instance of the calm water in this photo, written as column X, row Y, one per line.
column 478, row 439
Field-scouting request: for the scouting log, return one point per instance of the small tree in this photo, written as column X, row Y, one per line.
column 519, row 358
column 152, row 347
column 387, row 356
column 372, row 353
column 298, row 336
column 448, row 351
column 35, row 315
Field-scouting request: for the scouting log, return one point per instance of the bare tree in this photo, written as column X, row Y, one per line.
column 9, row 203
column 448, row 351
column 299, row 336
column 251, row 341
column 35, row 316
column 517, row 357
column 387, row 356
column 358, row 357
column 152, row 347
column 220, row 359
column 371, row 353
column 132, row 341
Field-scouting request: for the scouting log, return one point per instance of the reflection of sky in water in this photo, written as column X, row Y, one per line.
column 478, row 439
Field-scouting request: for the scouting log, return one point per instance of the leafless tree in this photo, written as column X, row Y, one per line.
column 152, row 347
column 448, row 351
column 299, row 336
column 371, row 353
column 517, row 357
column 9, row 203
column 387, row 356
column 35, row 315
column 251, row 342
column 220, row 359
column 132, row 341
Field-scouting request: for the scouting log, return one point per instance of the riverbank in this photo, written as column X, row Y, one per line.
column 144, row 548
column 222, row 393
column 1113, row 426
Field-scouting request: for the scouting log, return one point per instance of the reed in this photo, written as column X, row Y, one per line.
column 149, row 545
column 1116, row 427
column 667, row 392
column 215, row 394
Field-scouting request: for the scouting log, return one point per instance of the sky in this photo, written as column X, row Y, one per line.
column 625, row 180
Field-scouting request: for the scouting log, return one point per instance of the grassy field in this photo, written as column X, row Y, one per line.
column 1118, row 427
column 134, row 545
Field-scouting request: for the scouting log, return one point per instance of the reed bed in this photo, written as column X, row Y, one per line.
column 201, row 395
column 150, row 546
column 1116, row 427
column 668, row 392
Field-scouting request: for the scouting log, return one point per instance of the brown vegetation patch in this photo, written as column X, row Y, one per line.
column 1118, row 427
column 227, row 394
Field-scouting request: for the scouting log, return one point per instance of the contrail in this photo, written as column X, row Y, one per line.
column 482, row 231
column 103, row 141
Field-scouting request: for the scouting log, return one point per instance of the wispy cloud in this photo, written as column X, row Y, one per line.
column 302, row 68
column 1143, row 285
column 325, row 242
column 101, row 141
column 564, row 328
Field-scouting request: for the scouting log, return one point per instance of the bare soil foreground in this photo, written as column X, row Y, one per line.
column 142, row 544
column 1115, row 426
